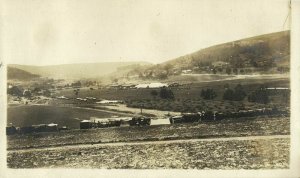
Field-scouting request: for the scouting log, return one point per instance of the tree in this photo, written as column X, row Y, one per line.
column 242, row 71
column 208, row 94
column 226, row 86
column 238, row 94
column 162, row 75
column 228, row 94
column 261, row 95
column 235, row 71
column 76, row 84
column 228, row 71
column 76, row 92
column 214, row 70
column 166, row 93
column 47, row 93
column 27, row 93
column 154, row 93
column 168, row 68
column 15, row 91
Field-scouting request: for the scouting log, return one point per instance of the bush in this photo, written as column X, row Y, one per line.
column 208, row 94
column 261, row 95
column 16, row 91
column 238, row 94
column 154, row 93
column 166, row 93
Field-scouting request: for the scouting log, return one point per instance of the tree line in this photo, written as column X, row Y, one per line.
column 260, row 95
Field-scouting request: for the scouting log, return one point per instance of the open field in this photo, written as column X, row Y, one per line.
column 241, row 153
column 28, row 115
column 187, row 97
column 188, row 91
column 241, row 143
column 224, row 128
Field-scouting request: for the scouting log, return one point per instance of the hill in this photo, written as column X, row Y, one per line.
column 76, row 71
column 269, row 53
column 274, row 47
column 18, row 74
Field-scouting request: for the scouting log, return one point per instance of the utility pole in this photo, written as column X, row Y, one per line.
column 142, row 109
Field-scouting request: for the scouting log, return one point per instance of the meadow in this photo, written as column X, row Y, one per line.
column 187, row 97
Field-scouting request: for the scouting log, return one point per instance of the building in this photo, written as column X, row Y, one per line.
column 152, row 85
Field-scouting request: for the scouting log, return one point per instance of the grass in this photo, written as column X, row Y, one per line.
column 187, row 97
column 232, row 154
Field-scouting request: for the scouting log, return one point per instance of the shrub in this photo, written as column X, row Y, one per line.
column 238, row 94
column 261, row 95
column 208, row 94
column 166, row 93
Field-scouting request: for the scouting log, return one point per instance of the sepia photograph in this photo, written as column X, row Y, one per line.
column 143, row 86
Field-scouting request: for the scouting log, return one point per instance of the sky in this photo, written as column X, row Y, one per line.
column 49, row 32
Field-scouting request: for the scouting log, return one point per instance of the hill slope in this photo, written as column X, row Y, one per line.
column 269, row 53
column 249, row 52
column 18, row 74
column 76, row 71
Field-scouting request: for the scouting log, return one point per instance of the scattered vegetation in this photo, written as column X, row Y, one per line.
column 231, row 154
column 238, row 94
column 261, row 95
column 208, row 94
column 166, row 93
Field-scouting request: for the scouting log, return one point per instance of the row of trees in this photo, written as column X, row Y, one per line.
column 260, row 95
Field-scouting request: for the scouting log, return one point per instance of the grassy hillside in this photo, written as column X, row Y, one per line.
column 18, row 74
column 76, row 71
column 274, row 47
column 269, row 53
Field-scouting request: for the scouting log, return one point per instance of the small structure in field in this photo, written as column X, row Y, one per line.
column 85, row 124
column 109, row 102
column 52, row 127
column 152, row 85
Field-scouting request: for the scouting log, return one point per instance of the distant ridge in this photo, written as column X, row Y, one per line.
column 263, row 53
column 267, row 46
column 76, row 71
column 18, row 74
column 268, row 53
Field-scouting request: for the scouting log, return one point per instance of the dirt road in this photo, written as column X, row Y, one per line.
column 157, row 113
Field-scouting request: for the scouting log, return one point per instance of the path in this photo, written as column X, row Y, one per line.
column 158, row 113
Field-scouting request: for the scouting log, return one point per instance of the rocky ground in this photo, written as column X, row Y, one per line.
column 254, row 153
column 260, row 143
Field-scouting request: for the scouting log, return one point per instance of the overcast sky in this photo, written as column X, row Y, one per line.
column 43, row 32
